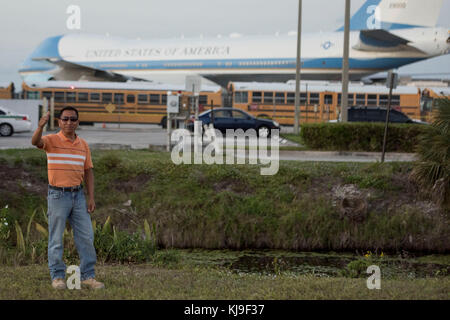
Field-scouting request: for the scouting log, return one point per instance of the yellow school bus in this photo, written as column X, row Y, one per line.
column 118, row 102
column 319, row 101
column 6, row 90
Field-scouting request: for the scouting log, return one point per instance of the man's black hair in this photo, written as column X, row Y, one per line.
column 67, row 108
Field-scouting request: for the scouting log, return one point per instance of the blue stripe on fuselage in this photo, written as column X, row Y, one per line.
column 282, row 63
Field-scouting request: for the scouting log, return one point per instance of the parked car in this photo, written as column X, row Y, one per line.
column 232, row 118
column 11, row 122
column 377, row 114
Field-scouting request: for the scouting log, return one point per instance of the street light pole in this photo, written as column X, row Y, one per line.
column 344, row 96
column 297, row 70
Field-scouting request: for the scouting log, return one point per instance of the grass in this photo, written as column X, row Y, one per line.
column 146, row 281
column 233, row 206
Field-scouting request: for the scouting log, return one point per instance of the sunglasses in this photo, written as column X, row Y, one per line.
column 73, row 119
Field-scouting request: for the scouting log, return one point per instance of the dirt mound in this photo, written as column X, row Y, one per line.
column 351, row 202
column 18, row 180
column 133, row 184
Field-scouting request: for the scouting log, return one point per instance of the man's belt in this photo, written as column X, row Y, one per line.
column 66, row 189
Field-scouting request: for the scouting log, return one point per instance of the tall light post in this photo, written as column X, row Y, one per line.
column 344, row 96
column 297, row 70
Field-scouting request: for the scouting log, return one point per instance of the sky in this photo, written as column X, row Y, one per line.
column 24, row 23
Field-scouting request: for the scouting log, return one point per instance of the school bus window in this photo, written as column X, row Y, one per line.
column 290, row 99
column 257, row 97
column 328, row 99
column 71, row 96
column 130, row 98
column 383, row 99
column 371, row 99
column 241, row 97
column 82, row 96
column 313, row 98
column 47, row 94
column 118, row 98
column 33, row 95
column 142, row 98
column 164, row 99
column 154, row 99
column 360, row 99
column 268, row 97
column 395, row 100
column 279, row 98
column 95, row 96
column 107, row 97
column 349, row 101
column 203, row 99
column 59, row 96
column 303, row 97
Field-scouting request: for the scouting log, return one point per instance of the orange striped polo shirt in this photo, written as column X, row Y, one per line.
column 66, row 160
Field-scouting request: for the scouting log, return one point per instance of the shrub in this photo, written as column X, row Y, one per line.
column 359, row 136
column 432, row 170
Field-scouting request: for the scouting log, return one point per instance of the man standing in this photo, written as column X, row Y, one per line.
column 69, row 163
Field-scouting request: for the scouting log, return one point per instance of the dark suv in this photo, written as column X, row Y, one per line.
column 232, row 118
column 365, row 114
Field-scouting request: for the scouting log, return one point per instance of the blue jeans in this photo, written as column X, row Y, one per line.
column 72, row 206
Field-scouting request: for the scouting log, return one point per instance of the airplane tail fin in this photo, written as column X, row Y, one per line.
column 395, row 14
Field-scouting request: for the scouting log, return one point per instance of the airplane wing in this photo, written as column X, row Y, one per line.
column 79, row 70
column 383, row 41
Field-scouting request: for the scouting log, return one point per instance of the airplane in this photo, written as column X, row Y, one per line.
column 384, row 35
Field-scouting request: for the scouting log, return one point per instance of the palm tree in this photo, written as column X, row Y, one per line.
column 432, row 170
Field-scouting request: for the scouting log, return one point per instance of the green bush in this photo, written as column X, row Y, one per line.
column 360, row 136
column 432, row 171
column 114, row 245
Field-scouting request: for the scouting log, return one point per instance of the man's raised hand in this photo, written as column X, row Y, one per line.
column 44, row 120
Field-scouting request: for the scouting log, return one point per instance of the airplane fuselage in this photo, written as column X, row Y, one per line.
column 247, row 58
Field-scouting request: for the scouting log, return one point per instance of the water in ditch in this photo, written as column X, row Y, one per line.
column 322, row 264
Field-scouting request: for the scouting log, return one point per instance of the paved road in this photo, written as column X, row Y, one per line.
column 136, row 137
column 155, row 137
